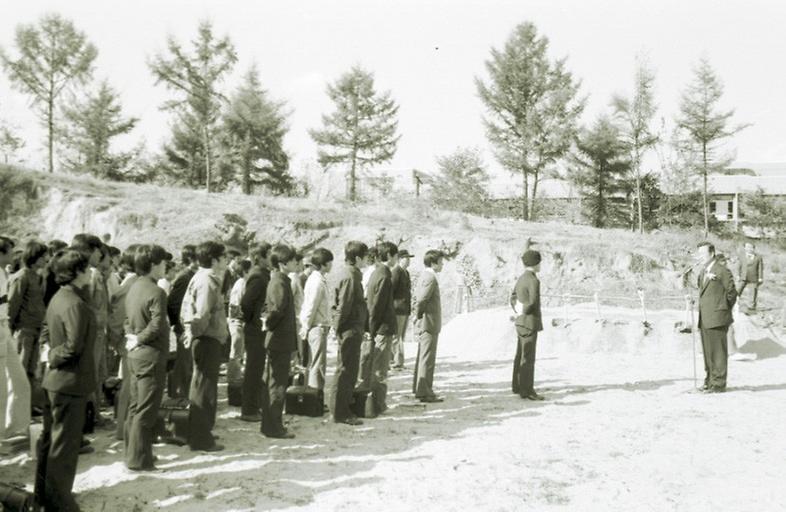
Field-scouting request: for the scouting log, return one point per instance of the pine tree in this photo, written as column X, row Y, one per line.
column 196, row 78
column 599, row 167
column 460, row 183
column 52, row 56
column 255, row 127
column 361, row 132
column 9, row 143
column 705, row 126
column 532, row 107
column 91, row 126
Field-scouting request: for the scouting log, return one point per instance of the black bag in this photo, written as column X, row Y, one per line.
column 358, row 405
column 305, row 401
column 90, row 418
column 111, row 387
column 15, row 499
column 235, row 395
column 173, row 416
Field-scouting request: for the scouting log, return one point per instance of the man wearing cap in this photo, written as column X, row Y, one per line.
column 402, row 304
column 525, row 301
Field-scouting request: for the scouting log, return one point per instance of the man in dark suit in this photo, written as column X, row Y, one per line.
column 751, row 272
column 180, row 376
column 525, row 301
column 717, row 296
column 349, row 320
column 147, row 342
column 402, row 304
column 252, row 305
column 382, row 325
column 281, row 339
column 428, row 324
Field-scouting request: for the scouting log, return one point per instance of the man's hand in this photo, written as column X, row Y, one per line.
column 187, row 339
column 131, row 342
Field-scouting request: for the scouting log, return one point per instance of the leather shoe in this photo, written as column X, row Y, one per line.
column 215, row 448
column 715, row 389
column 251, row 418
column 432, row 399
column 281, row 435
column 353, row 420
column 533, row 396
column 144, row 469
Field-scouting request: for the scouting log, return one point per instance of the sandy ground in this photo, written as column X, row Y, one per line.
column 621, row 429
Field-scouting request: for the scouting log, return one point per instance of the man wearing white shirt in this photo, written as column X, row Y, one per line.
column 315, row 317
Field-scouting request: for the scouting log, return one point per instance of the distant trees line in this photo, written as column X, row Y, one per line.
column 223, row 137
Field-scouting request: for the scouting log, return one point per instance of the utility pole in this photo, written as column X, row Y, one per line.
column 417, row 181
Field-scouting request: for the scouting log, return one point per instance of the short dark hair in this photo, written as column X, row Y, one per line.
column 33, row 251
column 56, row 246
column 709, row 246
column 386, row 250
column 188, row 254
column 432, row 257
column 373, row 253
column 298, row 256
column 127, row 258
column 208, row 251
column 260, row 252
column 233, row 253
column 68, row 265
column 244, row 266
column 354, row 251
column 113, row 251
column 321, row 257
column 6, row 244
column 86, row 243
column 281, row 254
column 147, row 256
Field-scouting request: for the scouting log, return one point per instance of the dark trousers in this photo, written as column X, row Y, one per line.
column 524, row 364
column 347, row 365
column 123, row 397
column 179, row 379
column 423, row 381
column 277, row 378
column 58, row 451
column 716, row 356
column 207, row 353
column 755, row 286
column 255, row 397
column 147, row 373
column 366, row 365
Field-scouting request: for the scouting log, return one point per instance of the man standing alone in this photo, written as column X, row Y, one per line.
column 717, row 296
column 525, row 301
column 751, row 272
column 428, row 324
column 402, row 304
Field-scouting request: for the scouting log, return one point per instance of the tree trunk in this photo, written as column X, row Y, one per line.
column 205, row 141
column 535, row 179
column 50, row 118
column 704, row 192
column 352, row 190
column 525, row 197
column 638, row 195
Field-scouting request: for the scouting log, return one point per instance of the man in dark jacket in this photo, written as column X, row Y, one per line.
column 69, row 334
column 349, row 320
column 179, row 379
column 751, row 272
column 26, row 308
column 428, row 324
column 147, row 335
column 717, row 297
column 525, row 301
column 281, row 339
column 402, row 303
column 255, row 395
column 382, row 326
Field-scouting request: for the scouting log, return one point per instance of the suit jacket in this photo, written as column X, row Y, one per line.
column 752, row 271
column 70, row 331
column 349, row 305
column 146, row 314
column 252, row 303
column 428, row 305
column 402, row 291
column 525, row 301
column 281, row 323
column 382, row 316
column 175, row 299
column 717, row 296
column 26, row 308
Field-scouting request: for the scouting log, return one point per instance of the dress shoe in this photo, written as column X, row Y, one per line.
column 251, row 418
column 281, row 435
column 84, row 450
column 533, row 396
column 144, row 469
column 353, row 420
column 432, row 399
column 716, row 389
column 215, row 448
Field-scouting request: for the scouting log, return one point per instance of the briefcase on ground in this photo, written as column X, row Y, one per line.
column 305, row 401
column 359, row 403
column 235, row 395
column 173, row 414
column 15, row 499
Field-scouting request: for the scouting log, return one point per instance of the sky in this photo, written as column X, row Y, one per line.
column 427, row 53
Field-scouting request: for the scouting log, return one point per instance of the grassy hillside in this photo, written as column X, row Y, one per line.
column 577, row 259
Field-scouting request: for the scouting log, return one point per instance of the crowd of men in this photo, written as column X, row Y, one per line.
column 76, row 317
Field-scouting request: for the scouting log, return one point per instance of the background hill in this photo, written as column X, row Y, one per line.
column 577, row 259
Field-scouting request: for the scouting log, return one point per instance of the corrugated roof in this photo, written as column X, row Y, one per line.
column 771, row 185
